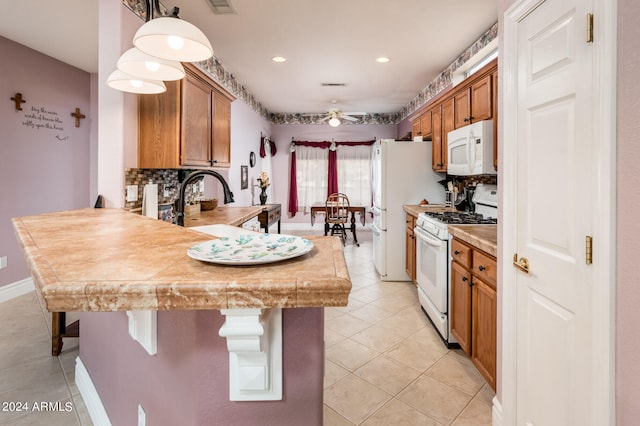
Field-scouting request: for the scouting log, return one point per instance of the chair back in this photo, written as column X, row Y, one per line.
column 337, row 208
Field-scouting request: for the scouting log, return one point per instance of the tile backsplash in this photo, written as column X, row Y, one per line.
column 165, row 178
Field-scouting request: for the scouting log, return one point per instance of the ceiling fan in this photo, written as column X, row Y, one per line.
column 334, row 115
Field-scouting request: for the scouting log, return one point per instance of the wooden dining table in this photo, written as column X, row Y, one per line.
column 352, row 209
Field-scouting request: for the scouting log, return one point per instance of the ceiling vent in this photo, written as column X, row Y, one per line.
column 222, row 7
column 333, row 84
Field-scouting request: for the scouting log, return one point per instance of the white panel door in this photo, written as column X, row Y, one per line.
column 554, row 187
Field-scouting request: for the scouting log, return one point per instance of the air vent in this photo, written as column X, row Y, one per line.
column 222, row 7
column 333, row 84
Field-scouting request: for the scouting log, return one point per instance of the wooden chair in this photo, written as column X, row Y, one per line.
column 337, row 214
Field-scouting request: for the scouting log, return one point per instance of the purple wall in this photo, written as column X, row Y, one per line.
column 628, row 291
column 187, row 382
column 41, row 170
column 282, row 135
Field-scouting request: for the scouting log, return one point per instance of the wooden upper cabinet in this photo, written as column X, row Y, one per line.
column 436, row 144
column 196, row 123
column 474, row 103
column 462, row 108
column 425, row 124
column 448, row 114
column 481, row 99
column 416, row 130
column 494, row 87
column 187, row 126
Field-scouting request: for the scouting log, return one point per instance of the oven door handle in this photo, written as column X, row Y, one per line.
column 428, row 238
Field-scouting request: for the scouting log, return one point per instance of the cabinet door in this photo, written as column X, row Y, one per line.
column 159, row 128
column 484, row 330
column 462, row 101
column 221, row 138
column 415, row 128
column 436, row 136
column 448, row 109
column 481, row 100
column 494, row 90
column 410, row 241
column 425, row 124
column 195, row 149
column 460, row 315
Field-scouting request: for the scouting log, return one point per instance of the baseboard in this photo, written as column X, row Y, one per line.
column 496, row 412
column 18, row 288
column 90, row 396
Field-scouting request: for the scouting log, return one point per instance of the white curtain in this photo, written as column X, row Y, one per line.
column 354, row 173
column 266, row 167
column 312, row 166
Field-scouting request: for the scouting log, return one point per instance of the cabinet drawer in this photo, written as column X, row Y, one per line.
column 485, row 267
column 461, row 253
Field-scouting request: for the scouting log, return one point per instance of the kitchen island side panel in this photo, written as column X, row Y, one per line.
column 187, row 381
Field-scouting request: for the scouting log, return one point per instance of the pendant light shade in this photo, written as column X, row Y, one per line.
column 334, row 122
column 127, row 83
column 138, row 64
column 173, row 39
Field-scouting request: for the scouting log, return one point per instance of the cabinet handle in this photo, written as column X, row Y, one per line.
column 471, row 118
column 481, row 268
column 456, row 252
column 465, row 119
column 464, row 279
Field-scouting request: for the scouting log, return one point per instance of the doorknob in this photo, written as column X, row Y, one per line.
column 522, row 264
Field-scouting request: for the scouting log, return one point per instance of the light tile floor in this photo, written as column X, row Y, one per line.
column 385, row 363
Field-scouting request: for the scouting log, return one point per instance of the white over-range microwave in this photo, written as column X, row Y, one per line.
column 470, row 150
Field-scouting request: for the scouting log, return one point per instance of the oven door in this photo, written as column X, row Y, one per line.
column 431, row 268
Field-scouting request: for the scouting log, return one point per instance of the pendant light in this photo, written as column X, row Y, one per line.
column 139, row 64
column 171, row 38
column 334, row 121
column 127, row 83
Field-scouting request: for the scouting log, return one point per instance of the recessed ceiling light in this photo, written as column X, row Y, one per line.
column 382, row 59
column 278, row 59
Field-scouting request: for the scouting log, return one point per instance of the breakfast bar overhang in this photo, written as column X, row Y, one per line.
column 130, row 276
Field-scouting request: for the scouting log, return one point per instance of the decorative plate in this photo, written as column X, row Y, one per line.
column 250, row 249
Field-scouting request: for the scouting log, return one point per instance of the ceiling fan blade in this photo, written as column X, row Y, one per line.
column 326, row 118
column 347, row 117
column 354, row 113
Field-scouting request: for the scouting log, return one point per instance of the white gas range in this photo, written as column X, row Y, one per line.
column 433, row 259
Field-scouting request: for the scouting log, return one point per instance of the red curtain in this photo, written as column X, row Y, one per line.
column 332, row 179
column 293, row 187
column 333, row 169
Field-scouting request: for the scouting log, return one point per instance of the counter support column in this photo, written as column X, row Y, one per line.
column 254, row 341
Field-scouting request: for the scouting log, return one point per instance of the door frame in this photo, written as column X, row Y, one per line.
column 604, row 212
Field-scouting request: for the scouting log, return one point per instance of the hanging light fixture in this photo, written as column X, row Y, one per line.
column 160, row 45
column 127, row 83
column 171, row 38
column 139, row 64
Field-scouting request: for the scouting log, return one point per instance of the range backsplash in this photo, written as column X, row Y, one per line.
column 165, row 178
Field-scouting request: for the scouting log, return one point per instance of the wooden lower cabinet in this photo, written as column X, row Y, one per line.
column 410, row 253
column 474, row 306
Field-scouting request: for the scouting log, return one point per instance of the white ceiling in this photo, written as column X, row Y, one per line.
column 328, row 41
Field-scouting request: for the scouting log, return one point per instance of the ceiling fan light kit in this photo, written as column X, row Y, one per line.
column 160, row 45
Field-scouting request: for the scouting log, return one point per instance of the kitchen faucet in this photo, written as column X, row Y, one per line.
column 228, row 195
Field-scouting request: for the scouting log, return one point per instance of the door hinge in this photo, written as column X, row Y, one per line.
column 589, row 250
column 589, row 27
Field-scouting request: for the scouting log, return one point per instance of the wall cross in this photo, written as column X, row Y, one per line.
column 78, row 116
column 18, row 100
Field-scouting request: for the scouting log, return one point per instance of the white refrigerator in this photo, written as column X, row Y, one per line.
column 401, row 174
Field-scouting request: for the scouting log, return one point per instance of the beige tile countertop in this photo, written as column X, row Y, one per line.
column 228, row 215
column 484, row 237
column 113, row 260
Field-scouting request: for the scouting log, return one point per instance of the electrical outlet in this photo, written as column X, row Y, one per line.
column 3, row 262
column 142, row 416
column 132, row 193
